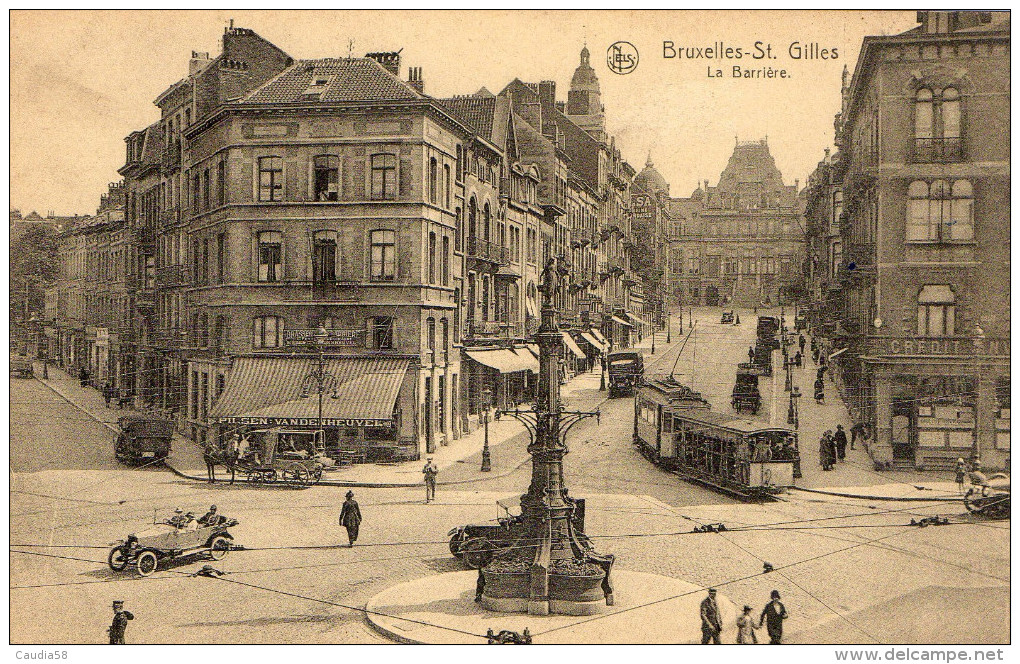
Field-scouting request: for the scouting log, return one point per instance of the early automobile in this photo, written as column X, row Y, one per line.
column 727, row 317
column 745, row 394
column 990, row 497
column 476, row 544
column 22, row 365
column 170, row 539
column 143, row 438
column 626, row 368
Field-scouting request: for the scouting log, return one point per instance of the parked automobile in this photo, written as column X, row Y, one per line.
column 22, row 365
column 727, row 317
column 626, row 368
column 143, row 438
column 745, row 392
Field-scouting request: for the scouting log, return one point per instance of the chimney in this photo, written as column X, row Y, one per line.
column 198, row 61
column 706, row 185
column 390, row 60
column 796, row 184
column 414, row 79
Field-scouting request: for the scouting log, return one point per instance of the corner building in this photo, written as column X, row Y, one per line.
column 924, row 171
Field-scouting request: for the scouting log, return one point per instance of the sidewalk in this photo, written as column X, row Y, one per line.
column 458, row 462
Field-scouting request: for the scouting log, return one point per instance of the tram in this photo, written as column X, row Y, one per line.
column 743, row 458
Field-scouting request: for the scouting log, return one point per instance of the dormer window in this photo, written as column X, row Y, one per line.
column 317, row 85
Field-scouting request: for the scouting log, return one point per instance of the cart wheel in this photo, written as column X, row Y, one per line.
column 294, row 474
column 315, row 474
column 147, row 563
column 457, row 544
column 219, row 547
column 117, row 560
column 477, row 552
column 254, row 477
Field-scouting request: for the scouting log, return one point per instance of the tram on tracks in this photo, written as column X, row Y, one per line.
column 675, row 428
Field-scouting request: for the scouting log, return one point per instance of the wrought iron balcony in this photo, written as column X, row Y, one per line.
column 485, row 250
column 937, row 150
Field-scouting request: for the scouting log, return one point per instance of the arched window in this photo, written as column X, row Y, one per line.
column 936, row 311
column 924, row 114
column 472, row 219
column 326, row 178
column 446, row 185
column 950, row 113
column 487, row 223
column 432, row 258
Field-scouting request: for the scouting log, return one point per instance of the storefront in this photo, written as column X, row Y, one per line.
column 939, row 399
column 366, row 409
column 575, row 359
column 506, row 372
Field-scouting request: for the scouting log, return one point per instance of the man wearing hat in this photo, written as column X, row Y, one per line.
column 430, row 471
column 210, row 518
column 119, row 625
column 350, row 518
column 711, row 621
column 773, row 616
column 178, row 520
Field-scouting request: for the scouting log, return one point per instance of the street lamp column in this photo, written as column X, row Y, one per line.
column 486, row 455
column 979, row 335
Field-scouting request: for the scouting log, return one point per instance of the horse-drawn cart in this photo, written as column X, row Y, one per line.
column 277, row 457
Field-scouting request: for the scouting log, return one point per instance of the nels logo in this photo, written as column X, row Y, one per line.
column 622, row 58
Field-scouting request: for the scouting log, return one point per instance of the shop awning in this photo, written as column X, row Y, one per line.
column 621, row 321
column 534, row 349
column 598, row 335
column 838, row 352
column 527, row 360
column 634, row 318
column 596, row 344
column 572, row 345
column 500, row 359
column 269, row 391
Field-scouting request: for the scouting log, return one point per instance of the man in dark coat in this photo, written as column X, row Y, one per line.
column 819, row 390
column 108, row 393
column 840, row 439
column 750, row 355
column 711, row 621
column 773, row 616
column 802, row 342
column 350, row 518
column 119, row 625
column 856, row 431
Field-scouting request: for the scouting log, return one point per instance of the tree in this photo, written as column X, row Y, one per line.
column 33, row 266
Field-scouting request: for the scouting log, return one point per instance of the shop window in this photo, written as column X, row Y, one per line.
column 382, row 332
column 384, row 177
column 383, row 255
column 267, row 332
column 270, row 179
column 324, row 257
column 326, row 178
column 270, row 256
column 936, row 312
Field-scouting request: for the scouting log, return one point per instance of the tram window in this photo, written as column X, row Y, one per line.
column 667, row 424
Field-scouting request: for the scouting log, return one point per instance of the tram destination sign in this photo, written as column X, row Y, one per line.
column 334, row 337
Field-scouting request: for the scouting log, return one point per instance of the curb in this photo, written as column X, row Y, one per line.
column 76, row 405
column 903, row 499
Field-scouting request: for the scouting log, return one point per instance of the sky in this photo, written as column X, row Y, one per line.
column 80, row 81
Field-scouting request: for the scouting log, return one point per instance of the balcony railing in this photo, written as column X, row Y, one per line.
column 937, row 150
column 172, row 276
column 487, row 251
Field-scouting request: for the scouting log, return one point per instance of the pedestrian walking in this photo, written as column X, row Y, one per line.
column 798, row 359
column 107, row 393
column 119, row 625
column 211, row 457
column 961, row 474
column 819, row 390
column 856, row 431
column 833, row 454
column 772, row 616
column 83, row 376
column 737, row 321
column 824, row 458
column 814, row 353
column 801, row 341
column 840, row 439
column 350, row 518
column 750, row 354
column 746, row 625
column 711, row 622
column 430, row 471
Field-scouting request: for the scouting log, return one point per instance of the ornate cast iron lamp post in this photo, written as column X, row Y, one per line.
column 486, row 455
column 552, row 566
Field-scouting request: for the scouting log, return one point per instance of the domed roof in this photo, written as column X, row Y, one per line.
column 584, row 76
column 650, row 179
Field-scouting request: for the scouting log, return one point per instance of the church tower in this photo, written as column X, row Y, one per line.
column 584, row 101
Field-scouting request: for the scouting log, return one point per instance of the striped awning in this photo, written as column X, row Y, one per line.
column 598, row 335
column 271, row 388
column 572, row 345
column 527, row 360
column 500, row 359
column 595, row 343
